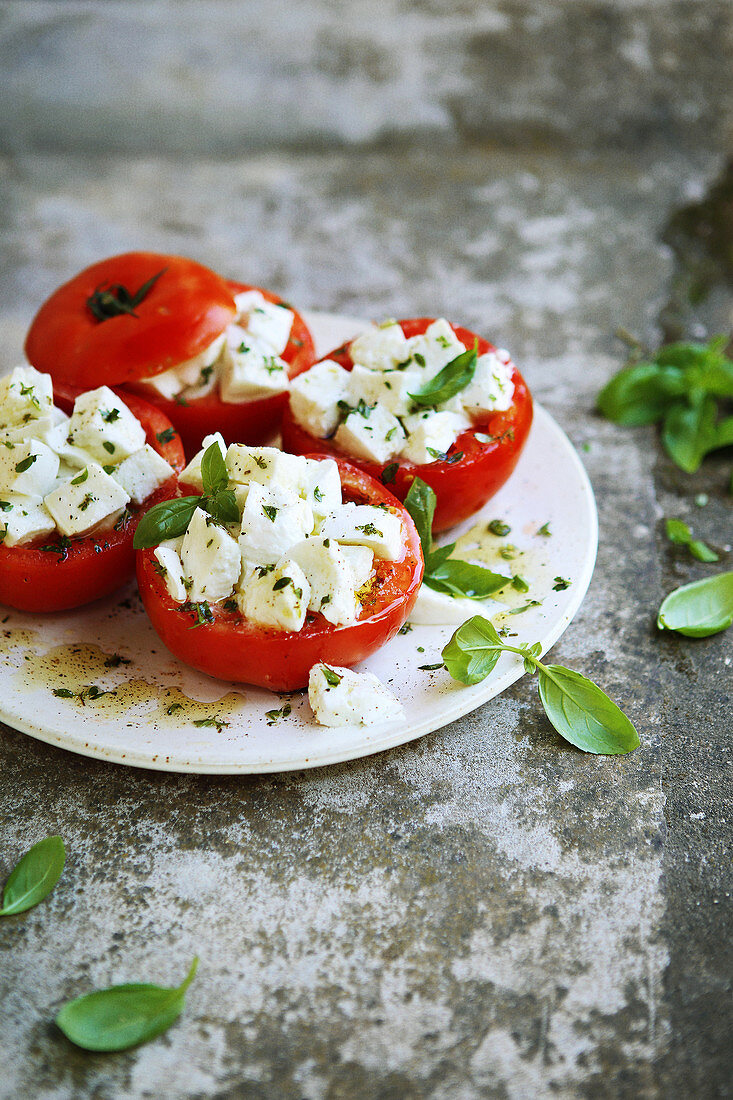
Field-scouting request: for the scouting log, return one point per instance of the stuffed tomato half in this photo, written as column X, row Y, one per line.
column 211, row 354
column 276, row 562
column 77, row 470
column 417, row 398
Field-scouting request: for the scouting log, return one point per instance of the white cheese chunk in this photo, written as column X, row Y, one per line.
column 273, row 520
column 250, row 369
column 437, row 608
column 57, row 438
column 435, row 349
column 142, row 473
column 22, row 519
column 171, row 569
column 246, row 301
column 32, row 428
column 380, row 348
column 102, row 424
column 191, row 475
column 341, row 697
column 314, row 397
column 431, row 434
column 322, row 486
column 331, row 576
column 90, row 500
column 365, row 525
column 275, row 597
column 491, row 388
column 267, row 465
column 29, row 468
column 210, row 558
column 373, row 434
column 269, row 324
column 188, row 375
column 25, row 394
column 391, row 388
column 360, row 560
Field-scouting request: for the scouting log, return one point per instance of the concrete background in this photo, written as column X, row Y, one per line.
column 486, row 913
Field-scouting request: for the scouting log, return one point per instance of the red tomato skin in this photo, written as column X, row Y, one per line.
column 461, row 488
column 32, row 579
column 252, row 422
column 230, row 648
column 184, row 311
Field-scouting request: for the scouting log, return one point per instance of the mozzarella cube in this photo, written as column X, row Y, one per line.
column 373, row 434
column 269, row 324
column 390, row 389
column 380, row 348
column 276, row 597
column 360, row 560
column 102, row 424
column 170, row 568
column 22, row 519
column 431, row 434
column 57, row 438
column 25, row 395
column 315, row 394
column 365, row 525
column 142, row 473
column 29, row 468
column 341, row 697
column 251, row 369
column 267, row 465
column 322, row 486
column 187, row 375
column 273, row 520
column 32, row 428
column 435, row 349
column 210, row 558
column 491, row 388
column 191, row 475
column 90, row 500
column 331, row 576
column 246, row 301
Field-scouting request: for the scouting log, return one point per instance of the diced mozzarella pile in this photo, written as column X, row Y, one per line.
column 369, row 410
column 244, row 361
column 71, row 474
column 296, row 549
column 340, row 697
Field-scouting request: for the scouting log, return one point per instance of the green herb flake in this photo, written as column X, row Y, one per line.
column 110, row 415
column 389, row 472
column 519, row 584
column 270, row 511
column 109, row 447
column 274, row 716
column 26, row 464
column 166, row 436
column 499, row 527
column 81, row 478
column 218, row 723
column 561, row 584
column 332, row 678
column 544, row 531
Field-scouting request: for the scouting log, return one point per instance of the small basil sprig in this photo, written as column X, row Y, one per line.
column 578, row 709
column 453, row 378
column 679, row 533
column 171, row 518
column 123, row 1015
column 699, row 609
column 115, row 299
column 686, row 386
column 443, row 573
column 34, row 877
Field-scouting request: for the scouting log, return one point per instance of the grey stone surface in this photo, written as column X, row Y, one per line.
column 487, row 912
column 229, row 76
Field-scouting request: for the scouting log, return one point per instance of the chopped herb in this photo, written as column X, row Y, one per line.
column 263, row 570
column 405, row 629
column 230, row 605
column 166, row 436
column 88, row 499
column 326, row 543
column 260, row 461
column 243, row 348
column 123, row 519
column 61, row 547
column 545, row 531
column 110, row 415
column 173, row 707
column 325, row 600
column 270, row 511
column 272, row 716
column 116, row 660
column 181, row 400
column 271, row 364
column 205, row 375
column 508, row 552
column 26, row 464
column 524, row 607
column 419, row 359
column 283, row 582
column 202, row 611
column 389, row 472
column 431, row 668
column 390, row 433
column 332, row 678
column 370, row 529
column 499, row 527
column 109, row 469
column 160, row 569
column 317, row 494
column 5, row 506
column 519, row 584
column 109, row 447
column 64, row 693
column 81, row 478
column 219, row 723
column 561, row 584
column 443, row 341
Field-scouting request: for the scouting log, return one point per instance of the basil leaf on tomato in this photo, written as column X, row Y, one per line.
column 166, row 520
column 453, row 378
column 420, row 503
column 213, row 470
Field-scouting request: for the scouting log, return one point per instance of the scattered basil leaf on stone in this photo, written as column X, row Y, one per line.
column 699, row 609
column 123, row 1015
column 679, row 533
column 34, row 877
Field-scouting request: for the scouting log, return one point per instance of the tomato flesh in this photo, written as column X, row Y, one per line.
column 462, row 485
column 231, row 648
column 183, row 312
column 83, row 569
column 252, row 422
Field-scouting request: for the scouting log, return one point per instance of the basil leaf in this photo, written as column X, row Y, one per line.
column 699, row 609
column 640, row 394
column 473, row 651
column 438, row 555
column 34, row 877
column 583, row 714
column 689, row 432
column 223, row 507
column 679, row 533
column 420, row 503
column 213, row 470
column 724, row 433
column 123, row 1015
column 461, row 578
column 166, row 520
column 453, row 378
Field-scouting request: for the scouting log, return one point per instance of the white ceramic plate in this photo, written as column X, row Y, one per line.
column 149, row 716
